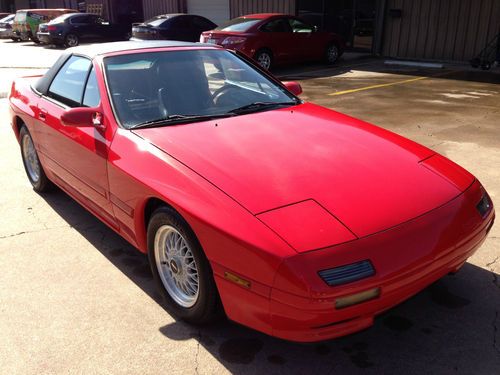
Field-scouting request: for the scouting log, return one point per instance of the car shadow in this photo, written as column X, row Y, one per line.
column 451, row 327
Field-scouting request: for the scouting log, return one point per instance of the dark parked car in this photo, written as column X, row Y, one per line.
column 71, row 29
column 272, row 39
column 185, row 27
column 6, row 27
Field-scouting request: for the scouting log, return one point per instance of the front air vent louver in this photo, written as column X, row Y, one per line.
column 348, row 273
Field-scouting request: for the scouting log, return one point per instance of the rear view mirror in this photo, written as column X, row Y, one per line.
column 293, row 87
column 82, row 117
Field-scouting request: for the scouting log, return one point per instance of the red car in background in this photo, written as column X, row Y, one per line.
column 274, row 39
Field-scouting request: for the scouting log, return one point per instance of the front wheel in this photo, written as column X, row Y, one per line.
column 332, row 54
column 264, row 58
column 31, row 162
column 180, row 268
column 71, row 40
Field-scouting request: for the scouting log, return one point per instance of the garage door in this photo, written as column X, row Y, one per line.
column 215, row 10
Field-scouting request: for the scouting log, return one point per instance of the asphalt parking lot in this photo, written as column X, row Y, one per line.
column 76, row 298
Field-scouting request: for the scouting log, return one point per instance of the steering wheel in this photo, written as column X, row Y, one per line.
column 229, row 95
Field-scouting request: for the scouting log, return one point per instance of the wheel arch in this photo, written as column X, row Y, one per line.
column 18, row 123
column 264, row 48
column 149, row 206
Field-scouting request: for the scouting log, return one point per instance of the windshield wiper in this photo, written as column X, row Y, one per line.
column 178, row 119
column 258, row 106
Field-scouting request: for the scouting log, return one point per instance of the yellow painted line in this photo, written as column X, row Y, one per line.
column 378, row 86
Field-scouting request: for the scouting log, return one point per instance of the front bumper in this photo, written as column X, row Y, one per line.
column 407, row 258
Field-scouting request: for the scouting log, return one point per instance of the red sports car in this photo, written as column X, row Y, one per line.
column 274, row 39
column 291, row 218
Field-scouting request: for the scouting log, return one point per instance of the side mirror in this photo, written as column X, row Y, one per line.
column 315, row 29
column 83, row 117
column 293, row 87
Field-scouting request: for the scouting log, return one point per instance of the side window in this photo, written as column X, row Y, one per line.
column 299, row 26
column 91, row 98
column 67, row 86
column 179, row 22
column 276, row 26
column 80, row 19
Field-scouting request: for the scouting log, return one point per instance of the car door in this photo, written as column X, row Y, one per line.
column 77, row 156
column 81, row 26
column 306, row 44
column 276, row 35
column 102, row 31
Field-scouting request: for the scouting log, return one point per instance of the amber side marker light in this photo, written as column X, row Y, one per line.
column 357, row 298
column 237, row 280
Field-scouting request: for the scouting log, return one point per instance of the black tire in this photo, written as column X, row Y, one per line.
column 16, row 39
column 71, row 40
column 332, row 53
column 264, row 58
column 207, row 306
column 40, row 183
column 35, row 40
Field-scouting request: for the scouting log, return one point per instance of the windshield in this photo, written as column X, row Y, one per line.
column 20, row 17
column 239, row 24
column 7, row 19
column 147, row 87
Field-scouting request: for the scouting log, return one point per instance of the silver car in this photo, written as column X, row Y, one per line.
column 6, row 28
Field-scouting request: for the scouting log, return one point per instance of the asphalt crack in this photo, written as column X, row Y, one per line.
column 196, row 362
column 32, row 231
column 12, row 235
column 493, row 273
column 492, row 262
column 495, row 320
column 495, row 332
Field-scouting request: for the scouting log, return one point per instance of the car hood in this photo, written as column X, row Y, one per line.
column 366, row 177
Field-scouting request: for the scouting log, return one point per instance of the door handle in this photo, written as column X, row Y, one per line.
column 42, row 115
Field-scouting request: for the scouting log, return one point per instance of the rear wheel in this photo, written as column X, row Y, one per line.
column 16, row 39
column 31, row 162
column 71, row 40
column 264, row 58
column 332, row 53
column 180, row 268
